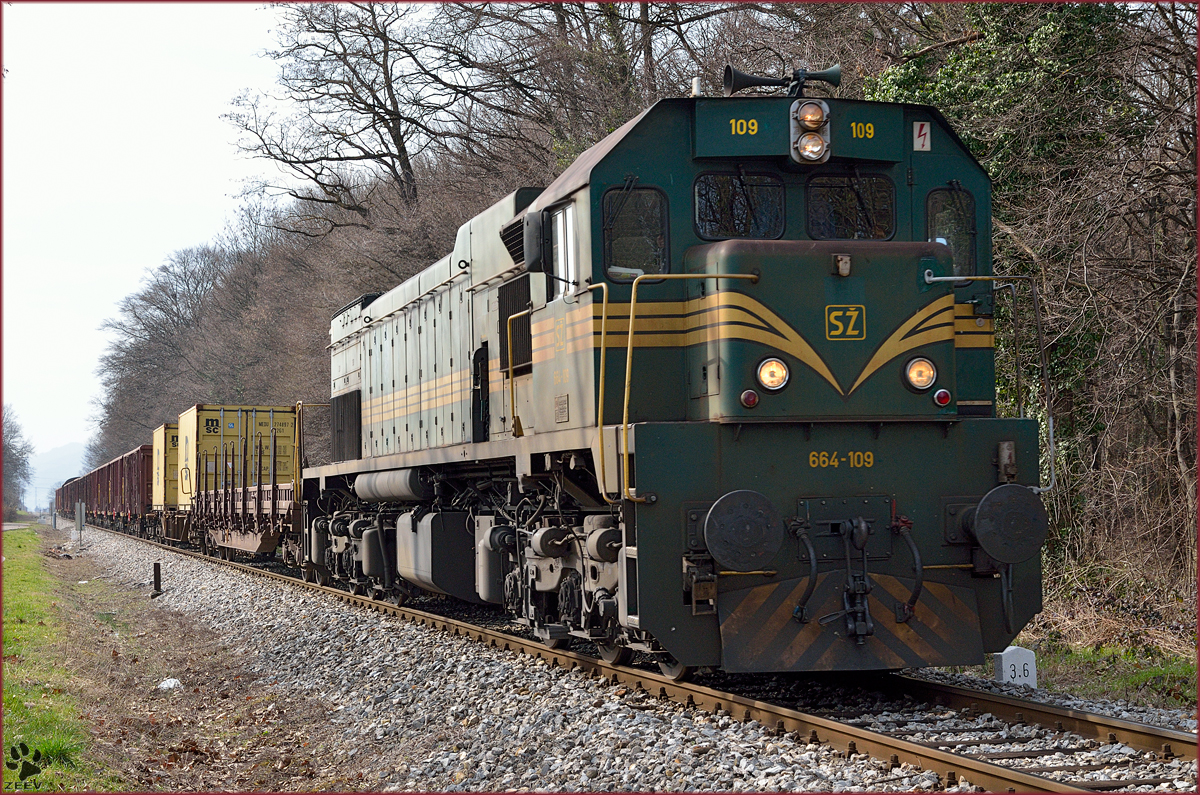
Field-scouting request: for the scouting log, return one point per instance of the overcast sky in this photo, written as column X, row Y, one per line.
column 114, row 156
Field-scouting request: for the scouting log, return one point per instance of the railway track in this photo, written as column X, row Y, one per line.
column 996, row 743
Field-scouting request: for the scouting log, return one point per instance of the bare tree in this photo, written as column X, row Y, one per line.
column 352, row 119
column 18, row 470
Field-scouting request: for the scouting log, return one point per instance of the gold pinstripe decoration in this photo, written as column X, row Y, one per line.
column 727, row 315
column 972, row 331
column 737, row 316
column 933, row 323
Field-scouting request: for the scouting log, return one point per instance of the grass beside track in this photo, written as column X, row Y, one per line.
column 40, row 708
column 1138, row 676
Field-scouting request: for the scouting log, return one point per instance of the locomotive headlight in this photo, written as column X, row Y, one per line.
column 920, row 373
column 811, row 146
column 772, row 374
column 811, row 116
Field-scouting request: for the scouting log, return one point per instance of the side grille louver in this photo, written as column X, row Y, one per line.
column 513, row 237
column 513, row 297
column 345, row 417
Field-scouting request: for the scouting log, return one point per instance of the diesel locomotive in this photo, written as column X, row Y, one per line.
column 722, row 393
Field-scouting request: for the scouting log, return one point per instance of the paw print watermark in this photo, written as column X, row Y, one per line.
column 28, row 765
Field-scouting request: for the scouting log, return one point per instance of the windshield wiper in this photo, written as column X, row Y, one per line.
column 619, row 202
column 864, row 213
column 741, row 178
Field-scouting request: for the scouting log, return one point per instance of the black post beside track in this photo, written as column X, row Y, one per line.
column 948, row 766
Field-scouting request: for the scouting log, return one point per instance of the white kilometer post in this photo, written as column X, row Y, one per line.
column 1016, row 666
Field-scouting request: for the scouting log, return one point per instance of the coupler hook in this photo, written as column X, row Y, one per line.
column 856, row 610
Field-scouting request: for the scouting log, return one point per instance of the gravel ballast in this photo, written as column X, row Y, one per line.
column 1167, row 718
column 423, row 709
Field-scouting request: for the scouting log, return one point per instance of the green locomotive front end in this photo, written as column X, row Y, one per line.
column 723, row 392
column 826, row 517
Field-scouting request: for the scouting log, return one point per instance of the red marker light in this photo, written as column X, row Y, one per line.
column 749, row 398
column 942, row 397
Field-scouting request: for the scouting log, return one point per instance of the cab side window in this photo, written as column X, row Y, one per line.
column 635, row 233
column 950, row 219
column 563, row 251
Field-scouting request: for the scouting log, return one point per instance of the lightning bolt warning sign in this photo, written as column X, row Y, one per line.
column 920, row 136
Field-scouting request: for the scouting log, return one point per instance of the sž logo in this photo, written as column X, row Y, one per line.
column 844, row 322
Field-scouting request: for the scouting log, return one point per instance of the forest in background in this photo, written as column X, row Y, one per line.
column 394, row 124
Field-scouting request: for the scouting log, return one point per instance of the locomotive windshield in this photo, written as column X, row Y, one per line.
column 739, row 205
column 851, row 207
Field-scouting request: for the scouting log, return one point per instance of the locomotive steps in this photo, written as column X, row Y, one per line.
column 990, row 729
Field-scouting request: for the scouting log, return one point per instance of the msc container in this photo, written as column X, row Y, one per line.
column 166, row 466
column 226, row 447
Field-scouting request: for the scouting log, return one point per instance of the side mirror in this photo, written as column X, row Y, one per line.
column 537, row 245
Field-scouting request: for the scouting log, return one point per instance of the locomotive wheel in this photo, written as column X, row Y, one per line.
column 614, row 654
column 556, row 643
column 307, row 574
column 397, row 598
column 673, row 669
column 358, row 590
column 322, row 576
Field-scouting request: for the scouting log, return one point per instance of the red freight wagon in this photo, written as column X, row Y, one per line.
column 115, row 495
column 133, row 474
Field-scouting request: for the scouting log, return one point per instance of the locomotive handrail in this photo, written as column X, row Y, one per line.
column 298, row 438
column 1037, row 319
column 1012, row 288
column 753, row 277
column 370, row 320
column 517, row 431
column 496, row 277
column 602, row 479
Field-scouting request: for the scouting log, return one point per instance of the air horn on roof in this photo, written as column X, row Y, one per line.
column 736, row 80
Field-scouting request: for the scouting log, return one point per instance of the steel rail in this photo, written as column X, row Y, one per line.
column 1170, row 743
column 950, row 767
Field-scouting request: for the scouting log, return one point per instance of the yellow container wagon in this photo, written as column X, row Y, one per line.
column 164, row 481
column 237, row 477
column 166, row 467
